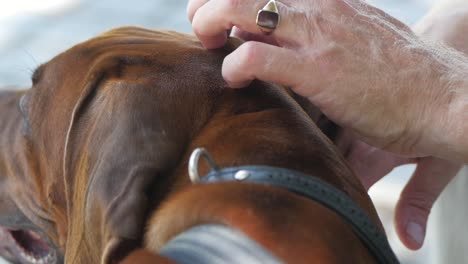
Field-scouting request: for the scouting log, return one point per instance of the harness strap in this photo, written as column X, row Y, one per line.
column 215, row 244
column 316, row 190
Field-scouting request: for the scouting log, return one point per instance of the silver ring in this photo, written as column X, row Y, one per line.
column 268, row 18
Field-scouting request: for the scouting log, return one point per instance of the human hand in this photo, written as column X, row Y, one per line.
column 367, row 72
column 364, row 69
column 418, row 196
column 445, row 23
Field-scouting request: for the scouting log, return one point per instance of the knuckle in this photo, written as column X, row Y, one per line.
column 419, row 202
column 199, row 25
column 345, row 5
column 231, row 4
column 249, row 52
column 330, row 5
column 197, row 28
column 420, row 209
column 329, row 58
column 196, row 24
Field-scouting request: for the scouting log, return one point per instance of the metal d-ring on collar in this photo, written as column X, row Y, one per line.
column 195, row 160
column 307, row 186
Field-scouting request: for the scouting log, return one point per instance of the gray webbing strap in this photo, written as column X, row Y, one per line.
column 216, row 244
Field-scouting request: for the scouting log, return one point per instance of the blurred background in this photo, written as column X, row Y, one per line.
column 32, row 32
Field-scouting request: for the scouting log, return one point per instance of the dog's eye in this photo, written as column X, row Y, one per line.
column 36, row 76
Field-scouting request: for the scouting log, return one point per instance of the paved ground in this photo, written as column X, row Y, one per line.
column 33, row 32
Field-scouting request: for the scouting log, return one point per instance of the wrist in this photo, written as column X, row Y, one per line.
column 457, row 116
column 448, row 122
column 449, row 71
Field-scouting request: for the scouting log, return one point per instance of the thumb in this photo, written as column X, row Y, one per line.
column 431, row 177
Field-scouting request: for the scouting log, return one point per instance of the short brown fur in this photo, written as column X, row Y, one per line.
column 102, row 146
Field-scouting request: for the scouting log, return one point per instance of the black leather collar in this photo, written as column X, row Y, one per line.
column 316, row 190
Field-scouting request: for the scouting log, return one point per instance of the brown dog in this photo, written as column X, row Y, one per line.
column 94, row 157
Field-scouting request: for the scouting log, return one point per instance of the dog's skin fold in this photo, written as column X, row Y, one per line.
column 94, row 156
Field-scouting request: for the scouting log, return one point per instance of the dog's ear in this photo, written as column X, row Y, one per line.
column 122, row 147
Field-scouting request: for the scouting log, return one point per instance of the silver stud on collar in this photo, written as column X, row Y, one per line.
column 242, row 175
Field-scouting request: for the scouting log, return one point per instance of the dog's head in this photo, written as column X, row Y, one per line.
column 87, row 151
column 83, row 157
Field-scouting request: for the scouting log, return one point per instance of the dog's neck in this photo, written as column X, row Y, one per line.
column 290, row 227
column 276, row 137
column 280, row 138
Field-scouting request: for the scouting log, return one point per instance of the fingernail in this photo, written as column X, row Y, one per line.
column 415, row 231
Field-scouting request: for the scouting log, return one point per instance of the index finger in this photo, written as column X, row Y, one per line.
column 211, row 19
column 193, row 6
